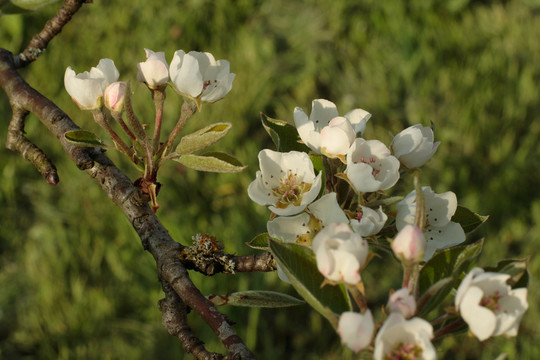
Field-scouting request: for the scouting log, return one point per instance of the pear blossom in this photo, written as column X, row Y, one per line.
column 414, row 146
column 368, row 221
column 403, row 302
column 285, row 181
column 404, row 339
column 440, row 231
column 409, row 244
column 322, row 133
column 87, row 88
column 489, row 305
column 154, row 72
column 303, row 227
column 340, row 253
column 356, row 330
column 199, row 76
column 370, row 166
column 114, row 96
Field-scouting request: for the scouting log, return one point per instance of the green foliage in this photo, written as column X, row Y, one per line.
column 202, row 138
column 75, row 281
column 83, row 138
column 260, row 299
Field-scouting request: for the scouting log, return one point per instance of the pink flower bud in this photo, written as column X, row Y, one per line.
column 409, row 244
column 114, row 95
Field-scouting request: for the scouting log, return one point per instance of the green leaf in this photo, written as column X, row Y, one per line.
column 298, row 263
column 83, row 138
column 262, row 299
column 284, row 135
column 259, row 242
column 212, row 162
column 517, row 269
column 468, row 220
column 22, row 6
column 448, row 263
column 202, row 138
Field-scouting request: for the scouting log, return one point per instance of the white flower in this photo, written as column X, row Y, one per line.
column 414, row 146
column 440, row 232
column 154, row 71
column 322, row 135
column 403, row 302
column 302, row 228
column 286, row 182
column 340, row 253
column 368, row 221
column 370, row 167
column 409, row 244
column 404, row 339
column 87, row 88
column 355, row 329
column 488, row 305
column 199, row 76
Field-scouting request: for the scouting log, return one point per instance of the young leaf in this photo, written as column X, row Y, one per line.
column 259, row 242
column 446, row 263
column 212, row 162
column 468, row 220
column 284, row 135
column 261, row 299
column 298, row 263
column 202, row 138
column 517, row 269
column 83, row 138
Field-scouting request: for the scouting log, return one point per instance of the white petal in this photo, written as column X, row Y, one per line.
column 334, row 141
column 306, row 130
column 109, row 71
column 289, row 228
column 361, row 177
column 439, row 207
column 258, row 192
column 327, row 210
column 442, row 237
column 481, row 321
column 512, row 308
column 465, row 284
column 358, row 119
column 186, row 75
column 322, row 111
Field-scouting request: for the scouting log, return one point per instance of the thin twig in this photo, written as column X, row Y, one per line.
column 53, row 27
column 16, row 141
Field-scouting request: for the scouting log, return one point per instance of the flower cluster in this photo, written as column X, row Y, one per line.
column 197, row 76
column 338, row 207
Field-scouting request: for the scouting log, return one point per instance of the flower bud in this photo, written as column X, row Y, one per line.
column 409, row 244
column 414, row 146
column 154, row 72
column 340, row 253
column 114, row 96
column 402, row 302
column 355, row 329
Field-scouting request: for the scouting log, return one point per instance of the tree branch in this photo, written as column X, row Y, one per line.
column 39, row 42
column 125, row 195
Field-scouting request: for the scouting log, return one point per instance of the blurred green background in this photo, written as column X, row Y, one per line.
column 75, row 282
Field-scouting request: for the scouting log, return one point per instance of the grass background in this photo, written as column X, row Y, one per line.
column 74, row 281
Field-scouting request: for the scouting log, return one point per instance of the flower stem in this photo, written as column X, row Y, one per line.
column 448, row 328
column 188, row 109
column 101, row 118
column 118, row 117
column 159, row 99
column 420, row 214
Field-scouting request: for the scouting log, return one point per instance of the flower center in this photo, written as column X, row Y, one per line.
column 290, row 191
column 491, row 302
column 373, row 163
column 404, row 352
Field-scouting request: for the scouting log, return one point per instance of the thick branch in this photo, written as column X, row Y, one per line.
column 39, row 42
column 120, row 189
